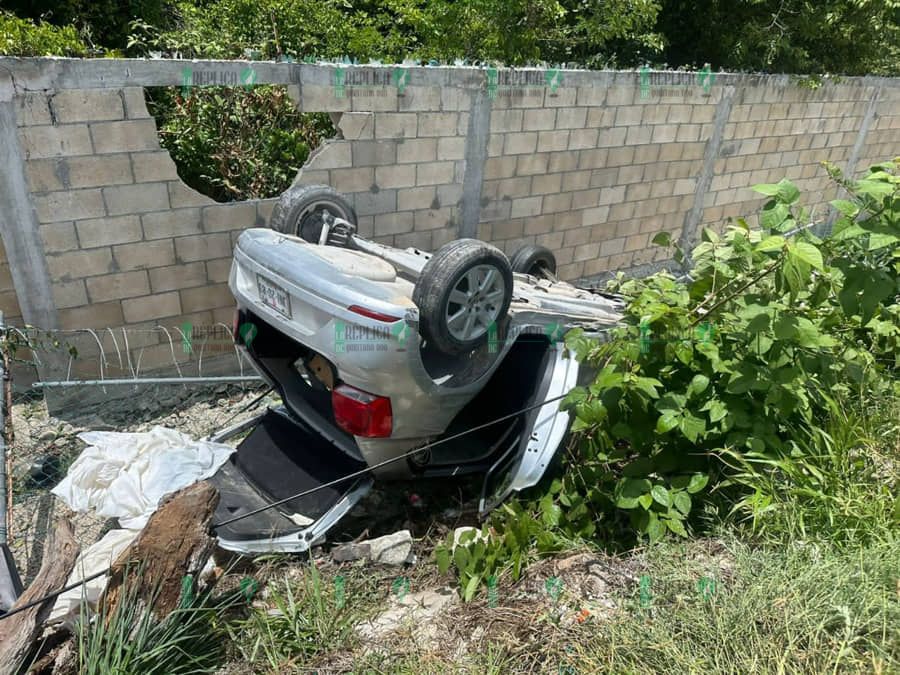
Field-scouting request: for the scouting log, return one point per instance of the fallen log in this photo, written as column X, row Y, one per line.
column 19, row 631
column 174, row 543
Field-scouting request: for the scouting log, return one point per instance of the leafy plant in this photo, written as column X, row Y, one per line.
column 234, row 143
column 23, row 37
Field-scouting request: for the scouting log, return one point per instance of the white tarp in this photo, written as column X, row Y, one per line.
column 124, row 475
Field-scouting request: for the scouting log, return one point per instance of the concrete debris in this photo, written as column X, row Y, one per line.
column 460, row 531
column 414, row 613
column 391, row 549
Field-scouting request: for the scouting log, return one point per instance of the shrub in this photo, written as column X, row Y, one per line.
column 234, row 143
column 22, row 37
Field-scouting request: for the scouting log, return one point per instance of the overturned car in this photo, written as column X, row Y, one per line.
column 391, row 364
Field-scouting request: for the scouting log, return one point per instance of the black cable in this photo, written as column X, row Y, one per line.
column 54, row 594
column 361, row 472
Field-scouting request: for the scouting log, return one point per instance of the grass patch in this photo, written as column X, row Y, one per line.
column 805, row 609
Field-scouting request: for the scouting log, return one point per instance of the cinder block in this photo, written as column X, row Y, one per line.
column 586, row 252
column 356, row 126
column 638, row 135
column 688, row 133
column 371, row 203
column 664, row 133
column 493, row 210
column 563, row 161
column 353, row 180
column 181, row 196
column 499, row 167
column 535, row 120
column 526, row 206
column 450, row 195
column 175, row 277
column 57, row 237
column 98, row 171
column 79, row 264
column 630, row 174
column 514, row 187
column 47, row 175
column 86, row 105
column 549, row 141
column 583, row 139
column 612, row 246
column 451, row 147
column 67, row 294
column 151, row 307
column 202, row 247
column 620, row 156
column 129, row 136
column 54, row 207
column 108, row 231
column 118, row 286
column 206, row 297
column 173, row 223
column 433, row 219
column 322, row 98
column 135, row 103
column 537, row 225
column 142, row 255
column 583, row 199
column 217, row 271
column 52, row 141
column 529, row 165
column 611, row 195
column 644, row 154
column 139, row 198
column 396, row 125
column 416, row 198
column 557, row 203
column 547, row 183
column 374, row 153
column 434, row 173
column 505, row 121
column 396, row 176
column 417, row 150
column 600, row 118
column 611, row 138
column 32, row 109
column 520, row 143
column 629, row 115
column 437, row 124
column 102, row 315
column 510, row 229
column 226, row 217
column 571, row 118
column 392, row 223
column 562, row 97
column 330, row 155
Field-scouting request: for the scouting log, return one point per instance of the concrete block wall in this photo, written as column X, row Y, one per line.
column 591, row 167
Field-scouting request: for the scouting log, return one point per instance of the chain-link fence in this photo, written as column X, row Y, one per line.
column 63, row 383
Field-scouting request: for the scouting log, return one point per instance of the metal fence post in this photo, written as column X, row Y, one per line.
column 10, row 584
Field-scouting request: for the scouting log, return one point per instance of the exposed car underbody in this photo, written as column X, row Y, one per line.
column 390, row 364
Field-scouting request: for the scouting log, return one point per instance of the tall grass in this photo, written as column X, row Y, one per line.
column 795, row 609
column 838, row 483
column 129, row 639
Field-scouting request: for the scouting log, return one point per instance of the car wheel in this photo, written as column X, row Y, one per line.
column 462, row 294
column 533, row 260
column 301, row 209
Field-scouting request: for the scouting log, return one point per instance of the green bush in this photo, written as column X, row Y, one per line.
column 731, row 390
column 234, row 143
column 22, row 37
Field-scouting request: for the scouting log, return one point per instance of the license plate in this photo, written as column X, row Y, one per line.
column 274, row 296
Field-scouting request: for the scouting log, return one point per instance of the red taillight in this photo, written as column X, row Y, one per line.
column 361, row 413
column 372, row 314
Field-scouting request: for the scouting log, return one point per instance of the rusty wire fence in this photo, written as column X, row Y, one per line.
column 61, row 384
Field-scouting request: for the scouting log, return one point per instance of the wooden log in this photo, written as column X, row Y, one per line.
column 19, row 632
column 175, row 542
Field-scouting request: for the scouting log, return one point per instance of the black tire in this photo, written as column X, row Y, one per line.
column 533, row 260
column 442, row 274
column 299, row 210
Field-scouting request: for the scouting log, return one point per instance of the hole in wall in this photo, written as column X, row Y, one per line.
column 236, row 143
